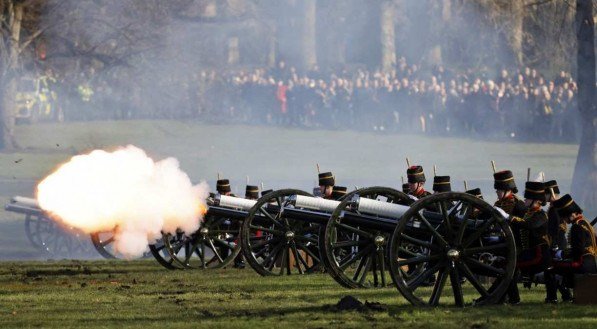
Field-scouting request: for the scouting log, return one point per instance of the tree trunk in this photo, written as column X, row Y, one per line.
column 309, row 34
column 9, row 78
column 584, row 181
column 388, row 43
column 517, row 30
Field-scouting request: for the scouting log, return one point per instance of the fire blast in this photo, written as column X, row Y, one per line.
column 125, row 191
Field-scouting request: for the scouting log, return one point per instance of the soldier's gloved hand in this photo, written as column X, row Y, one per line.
column 558, row 255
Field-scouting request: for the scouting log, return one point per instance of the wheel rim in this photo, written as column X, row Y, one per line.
column 214, row 245
column 356, row 257
column 104, row 245
column 457, row 240
column 276, row 245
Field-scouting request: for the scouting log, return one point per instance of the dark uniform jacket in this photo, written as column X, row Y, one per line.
column 556, row 229
column 533, row 243
column 512, row 205
column 582, row 240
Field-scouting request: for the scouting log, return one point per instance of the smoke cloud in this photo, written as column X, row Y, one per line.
column 126, row 191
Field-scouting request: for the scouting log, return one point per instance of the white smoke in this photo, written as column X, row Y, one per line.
column 125, row 191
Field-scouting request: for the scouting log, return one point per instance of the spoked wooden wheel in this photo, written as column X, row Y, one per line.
column 356, row 252
column 104, row 244
column 161, row 255
column 458, row 245
column 274, row 244
column 214, row 245
column 58, row 241
column 33, row 226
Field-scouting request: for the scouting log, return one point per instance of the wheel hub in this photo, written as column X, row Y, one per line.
column 289, row 235
column 379, row 240
column 453, row 254
column 204, row 231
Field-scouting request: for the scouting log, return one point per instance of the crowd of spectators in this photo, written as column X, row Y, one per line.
column 520, row 104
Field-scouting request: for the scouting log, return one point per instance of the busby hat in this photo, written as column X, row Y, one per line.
column 504, row 180
column 405, row 188
column 252, row 192
column 338, row 192
column 223, row 186
column 415, row 174
column 266, row 192
column 326, row 179
column 441, row 184
column 552, row 185
column 475, row 192
column 566, row 206
column 534, row 191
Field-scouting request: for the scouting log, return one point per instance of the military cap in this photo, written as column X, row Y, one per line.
column 252, row 192
column 326, row 179
column 504, row 180
column 566, row 206
column 223, row 186
column 441, row 184
column 338, row 192
column 534, row 191
column 552, row 185
column 415, row 174
column 475, row 192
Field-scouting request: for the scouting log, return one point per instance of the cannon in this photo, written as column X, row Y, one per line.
column 377, row 237
column 57, row 240
column 215, row 244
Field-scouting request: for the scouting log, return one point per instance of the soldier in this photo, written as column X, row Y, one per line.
column 580, row 257
column 416, row 181
column 556, row 228
column 223, row 187
column 326, row 184
column 441, row 184
column 252, row 192
column 476, row 192
column 534, row 256
column 506, row 190
column 477, row 213
column 405, row 188
column 338, row 192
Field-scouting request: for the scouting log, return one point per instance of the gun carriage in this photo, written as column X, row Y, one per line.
column 57, row 240
column 216, row 243
column 378, row 233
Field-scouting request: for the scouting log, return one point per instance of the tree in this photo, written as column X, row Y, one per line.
column 584, row 181
column 388, row 46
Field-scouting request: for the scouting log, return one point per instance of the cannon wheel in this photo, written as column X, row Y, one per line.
column 356, row 257
column 214, row 245
column 459, row 236
column 56, row 240
column 33, row 225
column 275, row 245
column 104, row 244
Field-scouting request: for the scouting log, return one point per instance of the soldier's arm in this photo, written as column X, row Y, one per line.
column 576, row 242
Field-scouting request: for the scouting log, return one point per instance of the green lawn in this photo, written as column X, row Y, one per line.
column 101, row 294
column 281, row 157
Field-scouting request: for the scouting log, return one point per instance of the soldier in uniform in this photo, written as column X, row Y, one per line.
column 416, row 182
column 338, row 192
column 534, row 254
column 505, row 188
column 580, row 257
column 223, row 187
column 405, row 188
column 556, row 228
column 252, row 192
column 441, row 184
column 326, row 184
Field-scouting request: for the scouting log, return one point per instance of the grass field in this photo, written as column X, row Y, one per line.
column 117, row 294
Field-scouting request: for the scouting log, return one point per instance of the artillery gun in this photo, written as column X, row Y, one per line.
column 57, row 240
column 378, row 232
